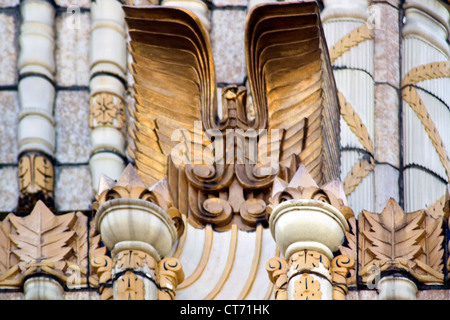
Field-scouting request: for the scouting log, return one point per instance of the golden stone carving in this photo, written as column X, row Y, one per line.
column 307, row 288
column 106, row 109
column 36, row 181
column 277, row 269
column 350, row 250
column 340, row 267
column 352, row 39
column 396, row 241
column 170, row 275
column 43, row 242
column 102, row 266
column 207, row 181
column 306, row 261
column 130, row 286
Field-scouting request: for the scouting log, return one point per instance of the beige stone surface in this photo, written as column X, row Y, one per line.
column 386, row 185
column 227, row 42
column 9, row 3
column 386, row 49
column 9, row 48
column 72, row 48
column 73, row 188
column 9, row 188
column 72, row 128
column 74, row 3
column 433, row 294
column 386, row 123
column 221, row 3
column 13, row 295
column 9, row 110
column 81, row 295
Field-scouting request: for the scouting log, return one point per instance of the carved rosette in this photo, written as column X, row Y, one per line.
column 139, row 225
column 309, row 223
column 106, row 109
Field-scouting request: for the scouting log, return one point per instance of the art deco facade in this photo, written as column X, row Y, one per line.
column 233, row 149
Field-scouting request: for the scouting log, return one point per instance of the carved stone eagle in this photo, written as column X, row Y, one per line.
column 221, row 159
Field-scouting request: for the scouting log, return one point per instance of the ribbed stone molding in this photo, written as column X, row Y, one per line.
column 120, row 220
column 108, row 69
column 307, row 224
column 198, row 7
column 396, row 288
column 36, row 65
column 42, row 288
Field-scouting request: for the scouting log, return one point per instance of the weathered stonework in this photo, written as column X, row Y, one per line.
column 386, row 123
column 386, row 46
column 72, row 48
column 72, row 128
column 227, row 44
column 73, row 189
column 9, row 189
column 9, row 110
column 8, row 48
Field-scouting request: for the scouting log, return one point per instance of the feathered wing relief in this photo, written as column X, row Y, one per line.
column 221, row 169
column 293, row 86
column 174, row 77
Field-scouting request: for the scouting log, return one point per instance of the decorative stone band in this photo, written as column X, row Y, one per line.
column 301, row 224
column 125, row 219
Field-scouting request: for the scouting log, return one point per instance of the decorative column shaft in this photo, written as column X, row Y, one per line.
column 137, row 225
column 349, row 37
column 426, row 100
column 36, row 131
column 308, row 228
column 108, row 68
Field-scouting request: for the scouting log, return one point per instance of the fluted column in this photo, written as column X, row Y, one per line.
column 426, row 100
column 140, row 235
column 349, row 33
column 308, row 228
column 36, row 130
column 108, row 68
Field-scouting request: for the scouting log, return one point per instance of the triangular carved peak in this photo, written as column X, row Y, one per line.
column 131, row 186
column 303, row 186
column 130, row 178
column 403, row 242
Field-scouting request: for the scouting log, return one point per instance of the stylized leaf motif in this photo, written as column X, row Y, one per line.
column 6, row 247
column 394, row 234
column 42, row 236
